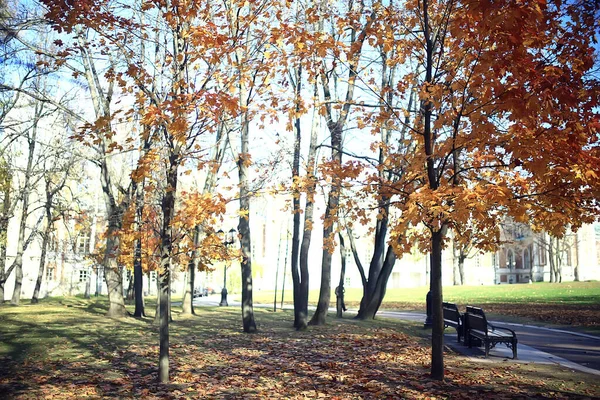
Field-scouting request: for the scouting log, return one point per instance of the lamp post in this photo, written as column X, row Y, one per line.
column 227, row 241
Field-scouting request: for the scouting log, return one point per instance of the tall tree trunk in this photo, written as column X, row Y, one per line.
column 296, row 279
column 22, row 243
column 6, row 182
column 370, row 292
column 138, row 273
column 187, row 305
column 302, row 298
column 461, row 268
column 112, row 270
column 339, row 291
column 40, row 276
column 209, row 185
column 437, row 232
column 370, row 308
column 437, row 333
column 331, row 212
column 249, row 325
column 138, row 281
column 551, row 260
column 130, row 290
column 335, row 128
column 101, row 101
column 166, row 247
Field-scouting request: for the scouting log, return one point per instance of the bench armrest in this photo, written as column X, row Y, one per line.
column 503, row 329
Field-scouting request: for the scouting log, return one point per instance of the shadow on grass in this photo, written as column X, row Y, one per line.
column 61, row 350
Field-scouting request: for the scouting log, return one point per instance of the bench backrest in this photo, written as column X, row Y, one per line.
column 476, row 321
column 451, row 312
column 475, row 310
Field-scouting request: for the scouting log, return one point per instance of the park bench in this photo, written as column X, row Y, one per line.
column 453, row 318
column 476, row 326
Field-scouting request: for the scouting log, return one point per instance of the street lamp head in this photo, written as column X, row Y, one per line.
column 231, row 236
column 221, row 235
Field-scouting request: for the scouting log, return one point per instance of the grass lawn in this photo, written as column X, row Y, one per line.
column 570, row 303
column 64, row 349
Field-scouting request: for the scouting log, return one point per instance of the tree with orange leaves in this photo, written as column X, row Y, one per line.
column 506, row 124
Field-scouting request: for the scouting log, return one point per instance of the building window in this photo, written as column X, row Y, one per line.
column 53, row 243
column 50, row 273
column 83, row 275
column 510, row 259
column 347, row 281
column 542, row 255
column 83, row 243
column 503, row 278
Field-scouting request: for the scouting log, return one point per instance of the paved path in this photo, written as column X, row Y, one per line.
column 576, row 351
column 573, row 350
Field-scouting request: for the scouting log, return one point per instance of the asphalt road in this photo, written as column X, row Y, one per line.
column 575, row 347
column 578, row 348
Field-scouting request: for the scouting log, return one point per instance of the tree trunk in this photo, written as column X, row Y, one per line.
column 156, row 320
column 209, row 185
column 249, row 325
column 370, row 293
column 461, row 268
column 130, row 289
column 112, row 270
column 18, row 267
column 187, row 305
column 4, row 219
column 331, row 212
column 339, row 290
column 370, row 307
column 437, row 333
column 296, row 204
column 320, row 315
column 551, row 260
column 138, row 282
column 22, row 244
column 40, row 277
column 455, row 273
column 302, row 298
column 168, row 211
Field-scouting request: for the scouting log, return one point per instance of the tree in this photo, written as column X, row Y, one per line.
column 358, row 33
column 175, row 97
column 506, row 124
column 29, row 181
column 55, row 178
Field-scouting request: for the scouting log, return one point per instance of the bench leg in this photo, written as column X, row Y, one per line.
column 487, row 349
column 514, row 348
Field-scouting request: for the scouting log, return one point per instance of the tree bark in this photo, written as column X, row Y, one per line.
column 296, row 279
column 371, row 307
column 6, row 182
column 309, row 207
column 437, row 333
column 138, row 272
column 22, row 243
column 168, row 211
column 339, row 291
column 370, row 292
column 40, row 276
column 187, row 306
column 249, row 325
column 461, row 268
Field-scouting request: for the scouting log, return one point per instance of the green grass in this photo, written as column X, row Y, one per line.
column 580, row 293
column 65, row 348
